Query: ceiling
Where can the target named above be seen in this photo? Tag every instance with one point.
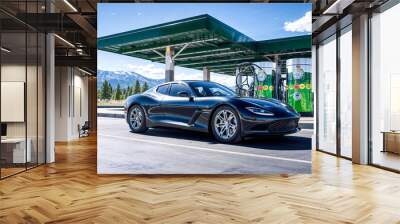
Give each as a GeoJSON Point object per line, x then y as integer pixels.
{"type": "Point", "coordinates": [332, 15]}
{"type": "Point", "coordinates": [73, 21]}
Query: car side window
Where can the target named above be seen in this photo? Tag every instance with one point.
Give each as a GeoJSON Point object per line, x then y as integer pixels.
{"type": "Point", "coordinates": [163, 89]}
{"type": "Point", "coordinates": [178, 88]}
{"type": "Point", "coordinates": [200, 91]}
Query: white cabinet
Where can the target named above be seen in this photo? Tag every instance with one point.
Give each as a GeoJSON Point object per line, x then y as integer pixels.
{"type": "Point", "coordinates": [19, 155]}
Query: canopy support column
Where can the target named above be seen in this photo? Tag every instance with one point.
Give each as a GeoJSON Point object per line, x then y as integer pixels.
{"type": "Point", "coordinates": [277, 76]}
{"type": "Point", "coordinates": [169, 64]}
{"type": "Point", "coordinates": [238, 81]}
{"type": "Point", "coordinates": [206, 74]}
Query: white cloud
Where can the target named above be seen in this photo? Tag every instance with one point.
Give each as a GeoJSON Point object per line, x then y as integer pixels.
{"type": "Point", "coordinates": [227, 80]}
{"type": "Point", "coordinates": [188, 76]}
{"type": "Point", "coordinates": [148, 70]}
{"type": "Point", "coordinates": [302, 24]}
{"type": "Point", "coordinates": [158, 72]}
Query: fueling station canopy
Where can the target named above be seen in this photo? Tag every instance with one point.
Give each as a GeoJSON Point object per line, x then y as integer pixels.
{"type": "Point", "coordinates": [202, 42]}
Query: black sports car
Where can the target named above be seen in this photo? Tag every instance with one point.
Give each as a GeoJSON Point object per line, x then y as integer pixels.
{"type": "Point", "coordinates": [209, 107]}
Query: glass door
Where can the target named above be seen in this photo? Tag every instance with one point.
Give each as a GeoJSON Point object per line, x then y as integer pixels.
{"type": "Point", "coordinates": [327, 95]}
{"type": "Point", "coordinates": [385, 89]}
{"type": "Point", "coordinates": [22, 98]}
{"type": "Point", "coordinates": [346, 92]}
{"type": "Point", "coordinates": [14, 155]}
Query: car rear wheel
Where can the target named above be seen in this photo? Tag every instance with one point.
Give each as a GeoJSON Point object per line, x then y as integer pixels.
{"type": "Point", "coordinates": [226, 125]}
{"type": "Point", "coordinates": [137, 119]}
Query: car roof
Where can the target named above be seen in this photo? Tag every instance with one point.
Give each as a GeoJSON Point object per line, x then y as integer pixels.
{"type": "Point", "coordinates": [184, 81]}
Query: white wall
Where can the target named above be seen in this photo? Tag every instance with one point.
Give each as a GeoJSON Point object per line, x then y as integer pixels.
{"type": "Point", "coordinates": [62, 82]}
{"type": "Point", "coordinates": [13, 73]}
{"type": "Point", "coordinates": [80, 109]}
{"type": "Point", "coordinates": [71, 102]}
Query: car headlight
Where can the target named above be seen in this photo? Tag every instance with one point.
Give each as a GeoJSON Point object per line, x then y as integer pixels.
{"type": "Point", "coordinates": [260, 111]}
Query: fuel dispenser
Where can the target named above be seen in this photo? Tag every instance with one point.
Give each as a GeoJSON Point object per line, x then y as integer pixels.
{"type": "Point", "coordinates": [299, 89]}
{"type": "Point", "coordinates": [259, 80]}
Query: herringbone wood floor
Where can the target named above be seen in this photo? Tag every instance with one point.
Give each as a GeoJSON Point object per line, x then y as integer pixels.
{"type": "Point", "coordinates": [70, 191]}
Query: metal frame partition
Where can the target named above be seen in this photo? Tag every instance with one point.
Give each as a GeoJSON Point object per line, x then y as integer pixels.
{"type": "Point", "coordinates": [318, 89]}
{"type": "Point", "coordinates": [335, 29]}
{"type": "Point", "coordinates": [36, 63]}
{"type": "Point", "coordinates": [0, 93]}
{"type": "Point", "coordinates": [382, 8]}
{"type": "Point", "coordinates": [369, 92]}
{"type": "Point", "coordinates": [338, 73]}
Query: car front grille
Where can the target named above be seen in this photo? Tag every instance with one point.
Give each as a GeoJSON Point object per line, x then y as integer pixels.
{"type": "Point", "coordinates": [283, 125]}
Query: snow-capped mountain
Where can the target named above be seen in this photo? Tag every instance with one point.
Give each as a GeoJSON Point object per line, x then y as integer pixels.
{"type": "Point", "coordinates": [124, 79]}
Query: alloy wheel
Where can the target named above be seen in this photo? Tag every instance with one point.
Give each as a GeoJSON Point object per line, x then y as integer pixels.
{"type": "Point", "coordinates": [225, 124]}
{"type": "Point", "coordinates": [136, 118]}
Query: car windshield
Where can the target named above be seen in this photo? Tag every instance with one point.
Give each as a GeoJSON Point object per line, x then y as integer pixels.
{"type": "Point", "coordinates": [205, 89]}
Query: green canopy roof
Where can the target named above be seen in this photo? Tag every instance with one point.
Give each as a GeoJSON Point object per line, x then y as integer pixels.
{"type": "Point", "coordinates": [202, 41]}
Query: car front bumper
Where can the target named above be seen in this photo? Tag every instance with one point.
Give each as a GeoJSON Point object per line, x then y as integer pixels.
{"type": "Point", "coordinates": [275, 126]}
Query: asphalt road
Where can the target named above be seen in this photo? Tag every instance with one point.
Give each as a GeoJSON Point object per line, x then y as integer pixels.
{"type": "Point", "coordinates": [170, 151]}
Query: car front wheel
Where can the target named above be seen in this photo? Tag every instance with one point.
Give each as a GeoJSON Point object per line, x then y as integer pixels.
{"type": "Point", "coordinates": [226, 125]}
{"type": "Point", "coordinates": [137, 119]}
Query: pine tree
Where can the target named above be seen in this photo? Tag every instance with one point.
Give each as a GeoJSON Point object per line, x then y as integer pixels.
{"type": "Point", "coordinates": [118, 93]}
{"type": "Point", "coordinates": [145, 87]}
{"type": "Point", "coordinates": [123, 95]}
{"type": "Point", "coordinates": [125, 92]}
{"type": "Point", "coordinates": [106, 90]}
{"type": "Point", "coordinates": [129, 92]}
{"type": "Point", "coordinates": [103, 88]}
{"type": "Point", "coordinates": [137, 87]}
{"type": "Point", "coordinates": [99, 94]}
{"type": "Point", "coordinates": [110, 89]}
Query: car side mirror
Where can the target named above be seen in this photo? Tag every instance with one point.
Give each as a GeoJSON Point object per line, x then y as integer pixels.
{"type": "Point", "coordinates": [183, 94]}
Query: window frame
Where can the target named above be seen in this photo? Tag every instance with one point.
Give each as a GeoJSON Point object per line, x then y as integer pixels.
{"type": "Point", "coordinates": [168, 88]}
{"type": "Point", "coordinates": [190, 92]}
{"type": "Point", "coordinates": [337, 35]}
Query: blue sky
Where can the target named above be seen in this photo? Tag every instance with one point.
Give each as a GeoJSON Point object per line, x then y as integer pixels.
{"type": "Point", "coordinates": [259, 21]}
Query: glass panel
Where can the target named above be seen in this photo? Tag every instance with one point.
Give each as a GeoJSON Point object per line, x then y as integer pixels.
{"type": "Point", "coordinates": [22, 88]}
{"type": "Point", "coordinates": [327, 95]}
{"type": "Point", "coordinates": [346, 92]}
{"type": "Point", "coordinates": [385, 85]}
{"type": "Point", "coordinates": [13, 87]}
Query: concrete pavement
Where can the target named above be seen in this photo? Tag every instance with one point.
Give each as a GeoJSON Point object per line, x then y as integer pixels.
{"type": "Point", "coordinates": [171, 151]}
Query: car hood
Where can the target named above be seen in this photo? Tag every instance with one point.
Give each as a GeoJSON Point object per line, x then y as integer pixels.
{"type": "Point", "coordinates": [272, 105]}
{"type": "Point", "coordinates": [266, 103]}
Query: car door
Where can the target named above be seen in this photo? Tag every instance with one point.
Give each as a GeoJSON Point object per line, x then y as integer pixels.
{"type": "Point", "coordinates": [179, 105]}
{"type": "Point", "coordinates": [154, 110]}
